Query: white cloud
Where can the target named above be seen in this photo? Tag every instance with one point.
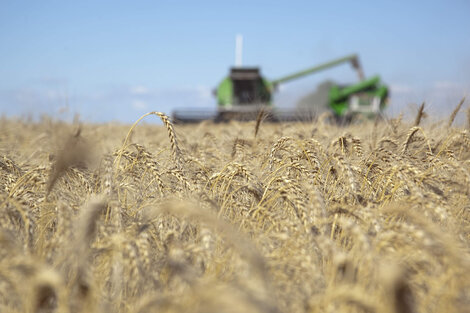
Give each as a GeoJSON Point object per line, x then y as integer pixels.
{"type": "Point", "coordinates": [139, 90]}
{"type": "Point", "coordinates": [139, 104]}
{"type": "Point", "coordinates": [204, 92]}
{"type": "Point", "coordinates": [121, 102]}
{"type": "Point", "coordinates": [400, 88]}
{"type": "Point", "coordinates": [448, 85]}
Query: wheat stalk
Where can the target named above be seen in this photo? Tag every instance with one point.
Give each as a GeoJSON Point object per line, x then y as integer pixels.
{"type": "Point", "coordinates": [259, 118]}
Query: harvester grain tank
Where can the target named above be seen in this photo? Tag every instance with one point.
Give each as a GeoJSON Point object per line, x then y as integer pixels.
{"type": "Point", "coordinates": [244, 92]}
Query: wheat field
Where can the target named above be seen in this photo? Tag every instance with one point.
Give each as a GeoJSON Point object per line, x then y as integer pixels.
{"type": "Point", "coordinates": [236, 217]}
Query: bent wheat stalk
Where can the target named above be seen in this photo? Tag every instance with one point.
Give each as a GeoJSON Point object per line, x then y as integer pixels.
{"type": "Point", "coordinates": [177, 155]}
{"type": "Point", "coordinates": [409, 137]}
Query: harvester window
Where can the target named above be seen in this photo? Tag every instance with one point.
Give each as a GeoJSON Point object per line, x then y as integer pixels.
{"type": "Point", "coordinates": [244, 91]}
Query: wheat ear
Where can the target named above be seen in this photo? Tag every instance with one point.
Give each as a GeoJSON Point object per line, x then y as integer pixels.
{"type": "Point", "coordinates": [420, 114]}
{"type": "Point", "coordinates": [454, 113]}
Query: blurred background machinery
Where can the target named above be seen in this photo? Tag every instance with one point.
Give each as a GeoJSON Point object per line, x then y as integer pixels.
{"type": "Point", "coordinates": [245, 91]}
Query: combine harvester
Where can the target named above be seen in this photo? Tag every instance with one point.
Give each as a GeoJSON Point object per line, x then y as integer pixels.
{"type": "Point", "coordinates": [242, 94]}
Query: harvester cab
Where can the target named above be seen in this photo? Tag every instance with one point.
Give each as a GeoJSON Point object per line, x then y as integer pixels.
{"type": "Point", "coordinates": [248, 86]}
{"type": "Point", "coordinates": [242, 94]}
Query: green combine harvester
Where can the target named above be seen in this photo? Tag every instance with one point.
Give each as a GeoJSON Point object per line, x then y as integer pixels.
{"type": "Point", "coordinates": [242, 94]}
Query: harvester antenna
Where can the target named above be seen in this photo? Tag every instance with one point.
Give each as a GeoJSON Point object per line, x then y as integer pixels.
{"type": "Point", "coordinates": [238, 50]}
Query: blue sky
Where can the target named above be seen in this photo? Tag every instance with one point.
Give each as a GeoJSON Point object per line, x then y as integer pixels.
{"type": "Point", "coordinates": [115, 60]}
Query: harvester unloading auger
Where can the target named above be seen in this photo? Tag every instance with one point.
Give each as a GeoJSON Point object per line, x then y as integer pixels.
{"type": "Point", "coordinates": [242, 94]}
